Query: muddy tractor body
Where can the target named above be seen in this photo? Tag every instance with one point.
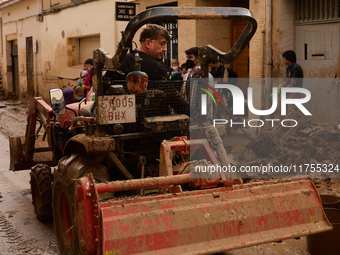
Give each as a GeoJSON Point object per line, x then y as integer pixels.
{"type": "Point", "coordinates": [122, 184]}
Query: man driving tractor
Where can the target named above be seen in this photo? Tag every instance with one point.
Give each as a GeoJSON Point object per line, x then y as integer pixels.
{"type": "Point", "coordinates": [153, 45]}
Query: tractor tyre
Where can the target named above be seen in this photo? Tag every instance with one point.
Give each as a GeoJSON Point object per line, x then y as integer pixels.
{"type": "Point", "coordinates": [70, 168]}
{"type": "Point", "coordinates": [41, 189]}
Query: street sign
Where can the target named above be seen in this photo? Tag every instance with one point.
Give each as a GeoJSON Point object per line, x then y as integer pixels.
{"type": "Point", "coordinates": [125, 11]}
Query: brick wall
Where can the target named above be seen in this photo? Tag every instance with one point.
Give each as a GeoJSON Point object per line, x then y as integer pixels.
{"type": "Point", "coordinates": [282, 35]}
{"type": "Point", "coordinates": [286, 32]}
{"type": "Point", "coordinates": [187, 32]}
{"type": "Point", "coordinates": [258, 8]}
{"type": "Point", "coordinates": [213, 32]}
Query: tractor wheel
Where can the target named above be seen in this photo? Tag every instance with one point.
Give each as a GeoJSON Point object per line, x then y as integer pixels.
{"type": "Point", "coordinates": [70, 168]}
{"type": "Point", "coordinates": [41, 188]}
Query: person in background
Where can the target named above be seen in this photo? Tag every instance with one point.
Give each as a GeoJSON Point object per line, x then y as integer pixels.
{"type": "Point", "coordinates": [184, 70]}
{"type": "Point", "coordinates": [82, 75]}
{"type": "Point", "coordinates": [174, 66]}
{"type": "Point", "coordinates": [216, 70]}
{"type": "Point", "coordinates": [193, 63]}
{"type": "Point", "coordinates": [178, 76]}
{"type": "Point", "coordinates": [88, 82]}
{"type": "Point", "coordinates": [73, 95]}
{"type": "Point", "coordinates": [294, 73]}
{"type": "Point", "coordinates": [194, 70]}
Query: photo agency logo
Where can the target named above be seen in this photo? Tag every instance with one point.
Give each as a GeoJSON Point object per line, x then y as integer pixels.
{"type": "Point", "coordinates": [289, 96]}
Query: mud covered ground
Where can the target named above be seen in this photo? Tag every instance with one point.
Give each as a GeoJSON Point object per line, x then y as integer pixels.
{"type": "Point", "coordinates": [22, 233]}
{"type": "Point", "coordinates": [20, 230]}
{"type": "Point", "coordinates": [13, 117]}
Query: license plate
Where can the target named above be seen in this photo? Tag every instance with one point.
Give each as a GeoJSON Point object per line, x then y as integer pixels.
{"type": "Point", "coordinates": [116, 109]}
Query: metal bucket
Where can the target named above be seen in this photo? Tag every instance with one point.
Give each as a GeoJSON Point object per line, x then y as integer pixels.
{"type": "Point", "coordinates": [328, 242]}
{"type": "Point", "coordinates": [329, 201]}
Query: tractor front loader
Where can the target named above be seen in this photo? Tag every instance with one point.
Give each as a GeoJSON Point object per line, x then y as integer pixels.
{"type": "Point", "coordinates": [41, 147]}
{"type": "Point", "coordinates": [123, 183]}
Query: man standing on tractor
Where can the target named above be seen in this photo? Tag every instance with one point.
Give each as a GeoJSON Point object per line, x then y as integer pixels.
{"type": "Point", "coordinates": [153, 41]}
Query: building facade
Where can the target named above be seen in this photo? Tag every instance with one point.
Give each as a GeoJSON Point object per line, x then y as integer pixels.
{"type": "Point", "coordinates": [40, 38]}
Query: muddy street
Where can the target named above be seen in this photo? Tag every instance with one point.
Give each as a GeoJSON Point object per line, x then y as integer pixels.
{"type": "Point", "coordinates": [20, 230]}
{"type": "Point", "coordinates": [22, 233]}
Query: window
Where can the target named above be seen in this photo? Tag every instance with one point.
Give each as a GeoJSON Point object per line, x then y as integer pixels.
{"type": "Point", "coordinates": [316, 10]}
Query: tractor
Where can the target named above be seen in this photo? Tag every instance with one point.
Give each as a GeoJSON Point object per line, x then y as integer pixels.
{"type": "Point", "coordinates": [121, 180]}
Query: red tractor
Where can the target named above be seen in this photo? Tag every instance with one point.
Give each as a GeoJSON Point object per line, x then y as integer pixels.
{"type": "Point", "coordinates": [122, 184]}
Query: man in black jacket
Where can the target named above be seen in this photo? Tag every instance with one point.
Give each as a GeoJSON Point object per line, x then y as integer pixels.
{"type": "Point", "coordinates": [153, 45]}
{"type": "Point", "coordinates": [154, 40]}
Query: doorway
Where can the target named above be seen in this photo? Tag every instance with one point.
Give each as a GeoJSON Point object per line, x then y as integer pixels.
{"type": "Point", "coordinates": [29, 66]}
{"type": "Point", "coordinates": [15, 68]}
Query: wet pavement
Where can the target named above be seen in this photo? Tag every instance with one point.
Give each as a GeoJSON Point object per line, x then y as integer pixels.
{"type": "Point", "coordinates": [20, 230]}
